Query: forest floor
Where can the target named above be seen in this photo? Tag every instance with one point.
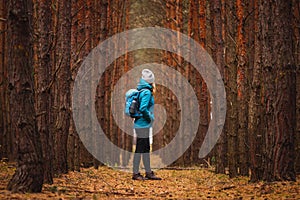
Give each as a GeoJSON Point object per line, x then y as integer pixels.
{"type": "Point", "coordinates": [106, 183]}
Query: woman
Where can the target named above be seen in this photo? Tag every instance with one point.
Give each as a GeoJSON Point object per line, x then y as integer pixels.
{"type": "Point", "coordinates": [142, 126]}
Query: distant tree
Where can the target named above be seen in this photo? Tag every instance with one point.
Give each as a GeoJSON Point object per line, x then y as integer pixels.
{"type": "Point", "coordinates": [28, 176]}
{"type": "Point", "coordinates": [197, 31]}
{"type": "Point", "coordinates": [101, 32]}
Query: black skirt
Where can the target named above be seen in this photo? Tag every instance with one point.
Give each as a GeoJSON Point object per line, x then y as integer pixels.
{"type": "Point", "coordinates": [142, 140]}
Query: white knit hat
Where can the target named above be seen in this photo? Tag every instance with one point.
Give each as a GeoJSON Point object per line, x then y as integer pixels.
{"type": "Point", "coordinates": [148, 76]}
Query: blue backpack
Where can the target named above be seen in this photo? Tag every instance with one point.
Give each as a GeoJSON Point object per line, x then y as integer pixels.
{"type": "Point", "coordinates": [132, 103]}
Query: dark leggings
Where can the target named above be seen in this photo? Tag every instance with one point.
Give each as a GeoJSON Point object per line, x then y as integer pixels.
{"type": "Point", "coordinates": [142, 150]}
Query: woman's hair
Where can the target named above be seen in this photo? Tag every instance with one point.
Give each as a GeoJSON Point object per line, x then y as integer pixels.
{"type": "Point", "coordinates": [153, 88]}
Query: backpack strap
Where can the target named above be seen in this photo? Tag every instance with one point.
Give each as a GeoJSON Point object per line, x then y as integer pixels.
{"type": "Point", "coordinates": [142, 91]}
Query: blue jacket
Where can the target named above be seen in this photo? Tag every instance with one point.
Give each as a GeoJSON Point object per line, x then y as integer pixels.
{"type": "Point", "coordinates": [146, 105]}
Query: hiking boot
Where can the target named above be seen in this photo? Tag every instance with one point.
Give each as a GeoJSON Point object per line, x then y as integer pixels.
{"type": "Point", "coordinates": [138, 176]}
{"type": "Point", "coordinates": [151, 176]}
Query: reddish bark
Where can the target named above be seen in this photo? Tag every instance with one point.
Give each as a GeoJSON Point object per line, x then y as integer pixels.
{"type": "Point", "coordinates": [3, 83]}
{"type": "Point", "coordinates": [255, 116]}
{"type": "Point", "coordinates": [28, 176]}
{"type": "Point", "coordinates": [218, 57]}
{"type": "Point", "coordinates": [231, 124]}
{"type": "Point", "coordinates": [296, 22]}
{"type": "Point", "coordinates": [279, 90]}
{"type": "Point", "coordinates": [62, 82]}
{"type": "Point", "coordinates": [242, 87]}
{"type": "Point", "coordinates": [43, 69]}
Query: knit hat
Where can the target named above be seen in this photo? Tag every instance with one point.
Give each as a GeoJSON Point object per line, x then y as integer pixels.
{"type": "Point", "coordinates": [148, 76]}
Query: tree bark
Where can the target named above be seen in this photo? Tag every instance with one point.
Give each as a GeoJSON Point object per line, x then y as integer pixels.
{"type": "Point", "coordinates": [218, 57]}
{"type": "Point", "coordinates": [296, 22]}
{"type": "Point", "coordinates": [279, 90]}
{"type": "Point", "coordinates": [100, 99]}
{"type": "Point", "coordinates": [2, 81]}
{"type": "Point", "coordinates": [242, 88]}
{"type": "Point", "coordinates": [126, 139]}
{"type": "Point", "coordinates": [204, 94]}
{"type": "Point", "coordinates": [29, 173]}
{"type": "Point", "coordinates": [62, 94]}
{"type": "Point", "coordinates": [8, 148]}
{"type": "Point", "coordinates": [42, 71]}
{"type": "Point", "coordinates": [231, 125]}
{"type": "Point", "coordinates": [73, 136]}
{"type": "Point", "coordinates": [255, 108]}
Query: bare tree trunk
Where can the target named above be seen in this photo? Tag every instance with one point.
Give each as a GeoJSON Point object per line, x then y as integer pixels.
{"type": "Point", "coordinates": [279, 90]}
{"type": "Point", "coordinates": [203, 90]}
{"type": "Point", "coordinates": [197, 31]}
{"type": "Point", "coordinates": [43, 70]}
{"type": "Point", "coordinates": [84, 45]}
{"type": "Point", "coordinates": [63, 79]}
{"type": "Point", "coordinates": [73, 138]}
{"type": "Point", "coordinates": [250, 37]}
{"type": "Point", "coordinates": [296, 12]}
{"type": "Point", "coordinates": [127, 139]}
{"type": "Point", "coordinates": [255, 110]}
{"type": "Point", "coordinates": [218, 56]}
{"type": "Point", "coordinates": [194, 32]}
{"type": "Point", "coordinates": [242, 86]}
{"type": "Point", "coordinates": [3, 113]}
{"type": "Point", "coordinates": [8, 147]}
{"type": "Point", "coordinates": [174, 21]}
{"type": "Point", "coordinates": [100, 101]}
{"type": "Point", "coordinates": [29, 174]}
{"type": "Point", "coordinates": [231, 92]}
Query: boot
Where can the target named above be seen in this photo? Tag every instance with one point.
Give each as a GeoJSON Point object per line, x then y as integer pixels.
{"type": "Point", "coordinates": [138, 176]}
{"type": "Point", "coordinates": [151, 176]}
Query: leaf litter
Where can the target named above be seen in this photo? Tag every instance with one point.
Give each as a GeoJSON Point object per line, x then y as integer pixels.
{"type": "Point", "coordinates": [195, 183]}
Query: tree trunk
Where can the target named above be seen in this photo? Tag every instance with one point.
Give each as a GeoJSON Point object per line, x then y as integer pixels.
{"type": "Point", "coordinates": [231, 90]}
{"type": "Point", "coordinates": [3, 112]}
{"type": "Point", "coordinates": [174, 22]}
{"type": "Point", "coordinates": [29, 173]}
{"type": "Point", "coordinates": [279, 90]}
{"type": "Point", "coordinates": [43, 85]}
{"type": "Point", "coordinates": [8, 148]}
{"type": "Point", "coordinates": [62, 93]}
{"type": "Point", "coordinates": [73, 136]}
{"type": "Point", "coordinates": [100, 99]}
{"type": "Point", "coordinates": [83, 48]}
{"type": "Point", "coordinates": [197, 31]}
{"type": "Point", "coordinates": [242, 87]}
{"type": "Point", "coordinates": [204, 94]}
{"type": "Point", "coordinates": [126, 139]}
{"type": "Point", "coordinates": [296, 20]}
{"type": "Point", "coordinates": [255, 110]}
{"type": "Point", "coordinates": [218, 57]}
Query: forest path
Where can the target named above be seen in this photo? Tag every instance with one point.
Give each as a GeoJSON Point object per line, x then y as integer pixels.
{"type": "Point", "coordinates": [106, 183]}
